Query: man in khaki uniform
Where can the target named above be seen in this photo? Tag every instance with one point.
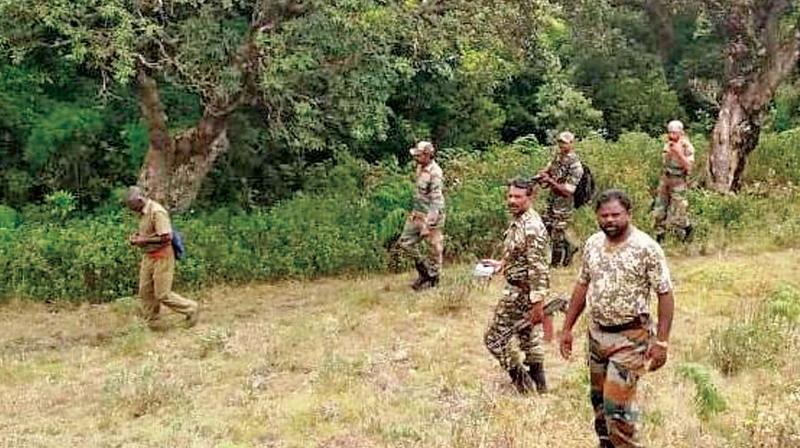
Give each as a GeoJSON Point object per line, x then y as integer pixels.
{"type": "Point", "coordinates": [426, 219]}
{"type": "Point", "coordinates": [622, 266]}
{"type": "Point", "coordinates": [157, 268]}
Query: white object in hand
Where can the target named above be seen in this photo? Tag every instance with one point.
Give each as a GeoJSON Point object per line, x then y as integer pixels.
{"type": "Point", "coordinates": [483, 270]}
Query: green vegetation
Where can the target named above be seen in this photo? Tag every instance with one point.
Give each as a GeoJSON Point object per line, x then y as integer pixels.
{"type": "Point", "coordinates": [348, 219]}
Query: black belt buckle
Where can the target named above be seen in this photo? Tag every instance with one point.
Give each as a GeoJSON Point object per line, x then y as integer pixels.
{"type": "Point", "coordinates": [638, 322]}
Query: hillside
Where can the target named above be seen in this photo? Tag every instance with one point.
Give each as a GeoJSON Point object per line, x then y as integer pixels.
{"type": "Point", "coordinates": [362, 362]}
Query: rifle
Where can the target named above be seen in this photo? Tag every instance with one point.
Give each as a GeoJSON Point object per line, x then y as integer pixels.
{"type": "Point", "coordinates": [553, 305]}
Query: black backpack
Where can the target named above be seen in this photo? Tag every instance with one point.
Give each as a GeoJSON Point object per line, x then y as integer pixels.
{"type": "Point", "coordinates": [584, 192]}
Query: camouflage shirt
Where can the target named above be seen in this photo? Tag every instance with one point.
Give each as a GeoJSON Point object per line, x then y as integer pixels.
{"type": "Point", "coordinates": [671, 166]}
{"type": "Point", "coordinates": [527, 255]}
{"type": "Point", "coordinates": [429, 196]}
{"type": "Point", "coordinates": [620, 277]}
{"type": "Point", "coordinates": [566, 169]}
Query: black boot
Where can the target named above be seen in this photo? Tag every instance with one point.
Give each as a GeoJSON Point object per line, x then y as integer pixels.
{"type": "Point", "coordinates": [422, 276]}
{"type": "Point", "coordinates": [521, 380]}
{"type": "Point", "coordinates": [557, 255]}
{"type": "Point", "coordinates": [687, 233]}
{"type": "Point", "coordinates": [536, 371]}
{"type": "Point", "coordinates": [569, 251]}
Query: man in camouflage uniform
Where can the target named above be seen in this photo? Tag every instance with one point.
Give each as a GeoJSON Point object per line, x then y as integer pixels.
{"type": "Point", "coordinates": [426, 219]}
{"type": "Point", "coordinates": [157, 269]}
{"type": "Point", "coordinates": [621, 266]}
{"type": "Point", "coordinates": [671, 208]}
{"type": "Point", "coordinates": [561, 176]}
{"type": "Point", "coordinates": [520, 311]}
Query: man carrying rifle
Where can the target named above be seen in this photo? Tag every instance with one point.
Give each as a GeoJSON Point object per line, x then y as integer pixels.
{"type": "Point", "coordinates": [525, 264]}
{"type": "Point", "coordinates": [561, 176]}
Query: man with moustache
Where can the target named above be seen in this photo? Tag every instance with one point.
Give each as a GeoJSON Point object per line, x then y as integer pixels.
{"type": "Point", "coordinates": [671, 207]}
{"type": "Point", "coordinates": [621, 266]}
{"type": "Point", "coordinates": [525, 264]}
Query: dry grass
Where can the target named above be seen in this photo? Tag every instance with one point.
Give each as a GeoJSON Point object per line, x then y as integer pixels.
{"type": "Point", "coordinates": [363, 362]}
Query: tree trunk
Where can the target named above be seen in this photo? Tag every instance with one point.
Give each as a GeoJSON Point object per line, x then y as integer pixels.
{"type": "Point", "coordinates": [734, 137]}
{"type": "Point", "coordinates": [175, 167]}
{"type": "Point", "coordinates": [743, 106]}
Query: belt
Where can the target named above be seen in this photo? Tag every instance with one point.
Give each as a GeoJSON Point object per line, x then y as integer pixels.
{"type": "Point", "coordinates": [639, 322]}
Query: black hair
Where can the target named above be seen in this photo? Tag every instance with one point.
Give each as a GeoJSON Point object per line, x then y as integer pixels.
{"type": "Point", "coordinates": [523, 183]}
{"type": "Point", "coordinates": [613, 195]}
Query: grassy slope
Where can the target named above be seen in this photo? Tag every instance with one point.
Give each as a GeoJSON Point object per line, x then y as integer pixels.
{"type": "Point", "coordinates": [359, 363]}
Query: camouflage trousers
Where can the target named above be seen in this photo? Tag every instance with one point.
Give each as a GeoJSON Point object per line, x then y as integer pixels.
{"type": "Point", "coordinates": [616, 362]}
{"type": "Point", "coordinates": [155, 287]}
{"type": "Point", "coordinates": [511, 318]}
{"type": "Point", "coordinates": [556, 219]}
{"type": "Point", "coordinates": [671, 207]}
{"type": "Point", "coordinates": [414, 232]}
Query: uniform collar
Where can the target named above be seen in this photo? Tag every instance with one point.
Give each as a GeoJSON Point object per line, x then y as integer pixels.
{"type": "Point", "coordinates": [148, 207]}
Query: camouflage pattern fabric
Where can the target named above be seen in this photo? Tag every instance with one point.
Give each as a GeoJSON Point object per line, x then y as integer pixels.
{"type": "Point", "coordinates": [414, 232]}
{"type": "Point", "coordinates": [526, 268]}
{"type": "Point", "coordinates": [671, 208]}
{"type": "Point", "coordinates": [429, 197]}
{"type": "Point", "coordinates": [616, 362]}
{"type": "Point", "coordinates": [511, 318]}
{"type": "Point", "coordinates": [620, 277]}
{"type": "Point", "coordinates": [428, 203]}
{"type": "Point", "coordinates": [565, 169]}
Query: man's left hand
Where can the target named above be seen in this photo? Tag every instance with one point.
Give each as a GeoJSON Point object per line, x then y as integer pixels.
{"type": "Point", "coordinates": [537, 313]}
{"type": "Point", "coordinates": [657, 355]}
{"type": "Point", "coordinates": [432, 219]}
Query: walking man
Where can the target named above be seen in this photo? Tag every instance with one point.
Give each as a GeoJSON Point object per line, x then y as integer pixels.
{"type": "Point", "coordinates": [561, 176]}
{"type": "Point", "coordinates": [520, 311]}
{"type": "Point", "coordinates": [671, 207]}
{"type": "Point", "coordinates": [157, 269]}
{"type": "Point", "coordinates": [426, 220]}
{"type": "Point", "coordinates": [621, 266]}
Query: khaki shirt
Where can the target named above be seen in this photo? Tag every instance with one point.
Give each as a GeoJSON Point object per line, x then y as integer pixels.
{"type": "Point", "coordinates": [671, 166]}
{"type": "Point", "coordinates": [154, 222]}
{"type": "Point", "coordinates": [621, 277]}
{"type": "Point", "coordinates": [429, 196]}
{"type": "Point", "coordinates": [526, 255]}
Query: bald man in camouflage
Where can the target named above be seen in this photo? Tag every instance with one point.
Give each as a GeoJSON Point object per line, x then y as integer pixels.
{"type": "Point", "coordinates": [671, 207]}
{"type": "Point", "coordinates": [426, 220]}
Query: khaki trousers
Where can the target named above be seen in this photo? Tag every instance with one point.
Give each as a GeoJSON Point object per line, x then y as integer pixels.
{"type": "Point", "coordinates": [155, 286]}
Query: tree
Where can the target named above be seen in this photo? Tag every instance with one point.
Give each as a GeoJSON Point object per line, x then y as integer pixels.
{"type": "Point", "coordinates": [322, 74]}
{"type": "Point", "coordinates": [728, 57]}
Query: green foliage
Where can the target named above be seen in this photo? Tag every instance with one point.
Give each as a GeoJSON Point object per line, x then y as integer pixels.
{"type": "Point", "coordinates": [61, 204]}
{"type": "Point", "coordinates": [707, 399]}
{"type": "Point", "coordinates": [348, 219]}
{"type": "Point", "coordinates": [9, 218]}
{"type": "Point", "coordinates": [757, 338]}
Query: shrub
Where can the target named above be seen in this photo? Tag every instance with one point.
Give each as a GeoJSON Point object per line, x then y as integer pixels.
{"type": "Point", "coordinates": [707, 399]}
{"type": "Point", "coordinates": [349, 222]}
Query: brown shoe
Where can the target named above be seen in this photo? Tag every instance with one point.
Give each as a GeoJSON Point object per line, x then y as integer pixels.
{"type": "Point", "coordinates": [191, 319]}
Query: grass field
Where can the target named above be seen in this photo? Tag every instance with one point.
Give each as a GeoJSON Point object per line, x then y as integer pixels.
{"type": "Point", "coordinates": [362, 362]}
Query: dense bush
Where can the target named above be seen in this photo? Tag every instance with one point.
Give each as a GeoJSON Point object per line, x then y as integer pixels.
{"type": "Point", "coordinates": [348, 220]}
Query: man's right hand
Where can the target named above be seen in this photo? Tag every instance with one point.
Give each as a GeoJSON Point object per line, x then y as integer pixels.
{"type": "Point", "coordinates": [566, 344]}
